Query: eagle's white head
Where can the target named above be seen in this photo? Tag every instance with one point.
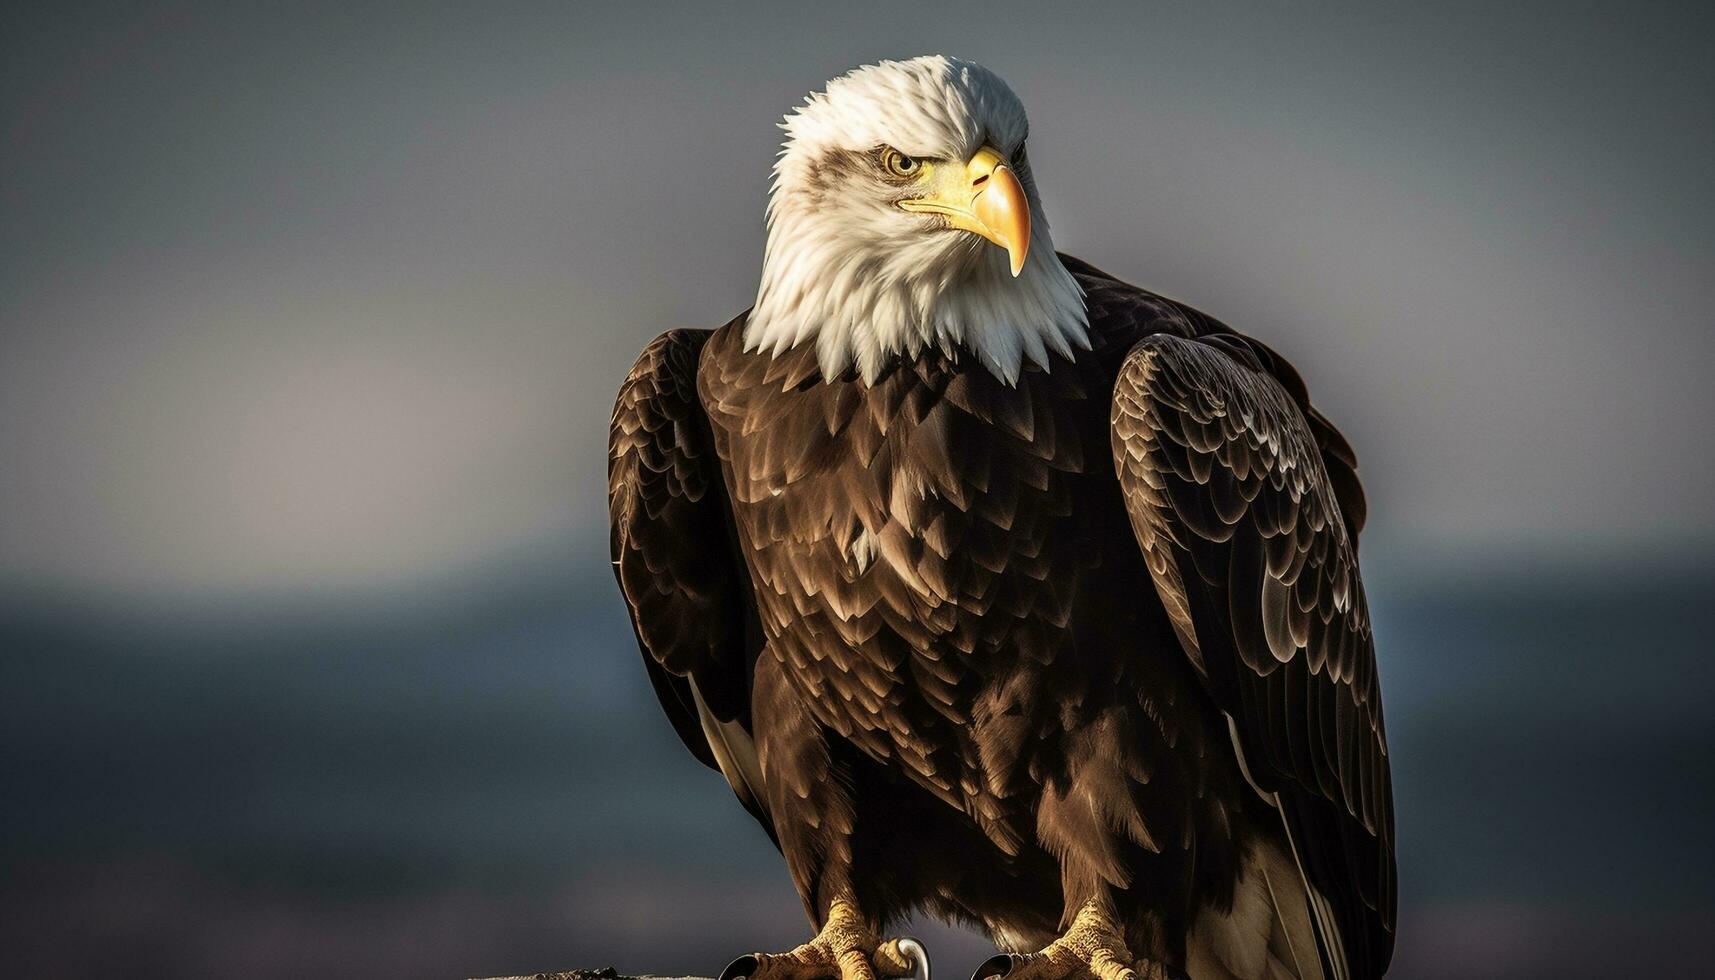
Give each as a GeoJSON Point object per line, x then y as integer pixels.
{"type": "Point", "coordinates": [903, 216]}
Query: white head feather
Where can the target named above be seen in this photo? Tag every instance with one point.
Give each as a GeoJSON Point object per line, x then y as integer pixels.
{"type": "Point", "coordinates": [866, 281]}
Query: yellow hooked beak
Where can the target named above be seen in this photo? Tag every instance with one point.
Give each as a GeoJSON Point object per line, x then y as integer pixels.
{"type": "Point", "coordinates": [987, 199]}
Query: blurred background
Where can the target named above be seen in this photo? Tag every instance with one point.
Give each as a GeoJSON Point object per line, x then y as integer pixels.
{"type": "Point", "coordinates": [310, 660]}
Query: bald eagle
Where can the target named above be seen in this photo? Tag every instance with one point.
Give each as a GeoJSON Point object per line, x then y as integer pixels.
{"type": "Point", "coordinates": [1001, 589]}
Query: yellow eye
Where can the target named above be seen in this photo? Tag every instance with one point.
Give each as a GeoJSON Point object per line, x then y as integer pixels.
{"type": "Point", "coordinates": [898, 164]}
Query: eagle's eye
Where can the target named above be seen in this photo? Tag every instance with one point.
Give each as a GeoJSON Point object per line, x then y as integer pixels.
{"type": "Point", "coordinates": [898, 164]}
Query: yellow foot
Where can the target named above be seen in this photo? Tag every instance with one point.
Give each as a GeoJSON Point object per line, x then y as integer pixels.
{"type": "Point", "coordinates": [1092, 949]}
{"type": "Point", "coordinates": [846, 949]}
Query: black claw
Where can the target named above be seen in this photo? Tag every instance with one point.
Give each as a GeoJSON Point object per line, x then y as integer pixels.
{"type": "Point", "coordinates": [996, 966]}
{"type": "Point", "coordinates": [740, 968]}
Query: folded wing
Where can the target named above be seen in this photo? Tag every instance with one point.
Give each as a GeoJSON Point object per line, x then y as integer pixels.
{"type": "Point", "coordinates": [1245, 504]}
{"type": "Point", "coordinates": [675, 557]}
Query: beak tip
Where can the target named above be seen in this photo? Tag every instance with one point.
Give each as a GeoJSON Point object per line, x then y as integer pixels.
{"type": "Point", "coordinates": [999, 208]}
{"type": "Point", "coordinates": [1016, 254]}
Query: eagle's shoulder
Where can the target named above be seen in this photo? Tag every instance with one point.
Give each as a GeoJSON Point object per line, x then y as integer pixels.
{"type": "Point", "coordinates": [1122, 313]}
{"type": "Point", "coordinates": [730, 368]}
{"type": "Point", "coordinates": [724, 353]}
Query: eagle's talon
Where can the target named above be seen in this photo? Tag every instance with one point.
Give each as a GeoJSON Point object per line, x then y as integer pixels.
{"type": "Point", "coordinates": [1061, 962]}
{"type": "Point", "coordinates": [1092, 948]}
{"type": "Point", "coordinates": [996, 966]}
{"type": "Point", "coordinates": [740, 968]}
{"type": "Point", "coordinates": [846, 948]}
{"type": "Point", "coordinates": [902, 957]}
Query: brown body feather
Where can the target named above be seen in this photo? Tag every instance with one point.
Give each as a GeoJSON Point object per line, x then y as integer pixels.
{"type": "Point", "coordinates": [929, 602]}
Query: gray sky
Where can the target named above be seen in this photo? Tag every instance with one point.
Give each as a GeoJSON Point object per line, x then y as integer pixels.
{"type": "Point", "coordinates": [331, 298]}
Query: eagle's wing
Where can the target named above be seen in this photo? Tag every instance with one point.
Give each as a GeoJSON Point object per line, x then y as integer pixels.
{"type": "Point", "coordinates": [1246, 507]}
{"type": "Point", "coordinates": [677, 564]}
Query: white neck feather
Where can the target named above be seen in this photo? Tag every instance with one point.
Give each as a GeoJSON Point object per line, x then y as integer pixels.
{"type": "Point", "coordinates": [819, 286]}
